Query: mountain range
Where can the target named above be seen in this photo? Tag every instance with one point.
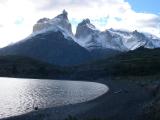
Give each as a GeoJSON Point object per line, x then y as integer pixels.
{"type": "Point", "coordinates": [53, 41]}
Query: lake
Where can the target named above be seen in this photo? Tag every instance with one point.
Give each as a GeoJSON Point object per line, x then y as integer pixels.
{"type": "Point", "coordinates": [19, 96]}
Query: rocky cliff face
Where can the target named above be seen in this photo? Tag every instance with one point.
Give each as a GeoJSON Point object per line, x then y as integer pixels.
{"type": "Point", "coordinates": [91, 38]}
{"type": "Point", "coordinates": [60, 22]}
{"type": "Point", "coordinates": [51, 41]}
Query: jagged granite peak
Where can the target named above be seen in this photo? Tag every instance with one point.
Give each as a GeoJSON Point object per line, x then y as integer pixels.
{"type": "Point", "coordinates": [64, 15]}
{"type": "Point", "coordinates": [91, 38]}
{"type": "Point", "coordinates": [52, 42]}
{"type": "Point", "coordinates": [84, 29]}
{"type": "Point", "coordinates": [86, 33]}
{"type": "Point", "coordinates": [135, 39]}
{"type": "Point", "coordinates": [121, 40]}
{"type": "Point", "coordinates": [85, 21]}
{"type": "Point", "coordinates": [51, 47]}
{"type": "Point", "coordinates": [42, 20]}
{"type": "Point", "coordinates": [59, 23]}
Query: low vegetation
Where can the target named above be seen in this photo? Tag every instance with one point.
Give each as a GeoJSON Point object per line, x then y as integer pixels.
{"type": "Point", "coordinates": [141, 66]}
{"type": "Point", "coordinates": [139, 63]}
{"type": "Point", "coordinates": [16, 66]}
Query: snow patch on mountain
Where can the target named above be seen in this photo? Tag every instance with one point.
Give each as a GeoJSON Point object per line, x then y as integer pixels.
{"type": "Point", "coordinates": [89, 37]}
{"type": "Point", "coordinates": [59, 23]}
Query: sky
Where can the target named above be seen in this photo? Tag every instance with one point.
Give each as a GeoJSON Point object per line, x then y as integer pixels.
{"type": "Point", "coordinates": [17, 17]}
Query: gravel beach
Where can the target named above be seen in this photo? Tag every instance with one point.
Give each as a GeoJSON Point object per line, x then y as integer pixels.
{"type": "Point", "coordinates": [124, 101]}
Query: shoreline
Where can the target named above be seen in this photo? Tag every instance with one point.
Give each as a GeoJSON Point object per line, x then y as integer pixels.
{"type": "Point", "coordinates": [124, 100]}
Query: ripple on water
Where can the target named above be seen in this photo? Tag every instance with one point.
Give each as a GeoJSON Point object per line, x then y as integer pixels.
{"type": "Point", "coordinates": [18, 96]}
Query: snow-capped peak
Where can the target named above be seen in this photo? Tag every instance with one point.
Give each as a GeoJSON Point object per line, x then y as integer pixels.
{"type": "Point", "coordinates": [91, 38]}
{"type": "Point", "coordinates": [87, 23]}
{"type": "Point", "coordinates": [59, 23]}
{"type": "Point", "coordinates": [85, 28]}
{"type": "Point", "coordinates": [85, 34]}
{"type": "Point", "coordinates": [64, 15]}
{"type": "Point", "coordinates": [43, 20]}
{"type": "Point", "coordinates": [121, 40]}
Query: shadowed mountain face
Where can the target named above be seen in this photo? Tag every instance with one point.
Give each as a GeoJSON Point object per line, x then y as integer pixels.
{"type": "Point", "coordinates": [91, 38]}
{"type": "Point", "coordinates": [52, 41]}
{"type": "Point", "coordinates": [140, 62]}
{"type": "Point", "coordinates": [25, 67]}
{"type": "Point", "coordinates": [51, 47]}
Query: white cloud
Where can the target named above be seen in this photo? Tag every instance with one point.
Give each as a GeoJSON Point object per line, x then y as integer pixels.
{"type": "Point", "coordinates": [103, 13]}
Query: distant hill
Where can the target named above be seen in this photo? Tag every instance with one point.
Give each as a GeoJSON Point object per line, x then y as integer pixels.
{"type": "Point", "coordinates": [140, 62]}
{"type": "Point", "coordinates": [16, 66]}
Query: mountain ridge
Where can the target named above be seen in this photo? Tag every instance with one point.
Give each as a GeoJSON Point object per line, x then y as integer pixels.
{"type": "Point", "coordinates": [51, 47]}
{"type": "Point", "coordinates": [89, 37]}
{"type": "Point", "coordinates": [53, 41]}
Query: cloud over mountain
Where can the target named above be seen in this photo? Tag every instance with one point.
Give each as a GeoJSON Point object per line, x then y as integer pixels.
{"type": "Point", "coordinates": [104, 14]}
